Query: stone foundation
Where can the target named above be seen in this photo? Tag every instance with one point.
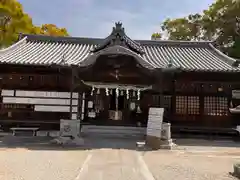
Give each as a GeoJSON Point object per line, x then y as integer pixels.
{"type": "Point", "coordinates": [153, 142]}
{"type": "Point", "coordinates": [158, 143]}
{"type": "Point", "coordinates": [163, 142]}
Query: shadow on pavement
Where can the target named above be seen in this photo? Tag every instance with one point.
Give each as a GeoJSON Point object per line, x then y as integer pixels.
{"type": "Point", "coordinates": [207, 143]}
{"type": "Point", "coordinates": [90, 142]}
{"type": "Point", "coordinates": [104, 142]}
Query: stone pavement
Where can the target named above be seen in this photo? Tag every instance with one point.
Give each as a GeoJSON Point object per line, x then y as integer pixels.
{"type": "Point", "coordinates": [110, 159]}
{"type": "Point", "coordinates": [114, 165]}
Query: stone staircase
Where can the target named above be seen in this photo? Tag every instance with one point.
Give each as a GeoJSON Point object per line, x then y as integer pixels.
{"type": "Point", "coordinates": [113, 131]}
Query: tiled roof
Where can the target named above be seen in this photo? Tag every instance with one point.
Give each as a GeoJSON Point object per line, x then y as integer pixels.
{"type": "Point", "coordinates": [45, 50]}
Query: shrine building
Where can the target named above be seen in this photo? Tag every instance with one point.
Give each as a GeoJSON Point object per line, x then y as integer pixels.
{"type": "Point", "coordinates": [113, 82]}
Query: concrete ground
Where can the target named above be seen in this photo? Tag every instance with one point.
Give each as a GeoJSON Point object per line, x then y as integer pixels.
{"type": "Point", "coordinates": [115, 159]}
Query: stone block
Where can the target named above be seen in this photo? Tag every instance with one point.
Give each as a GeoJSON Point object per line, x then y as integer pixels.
{"type": "Point", "coordinates": [42, 133]}
{"type": "Point", "coordinates": [166, 131]}
{"type": "Point", "coordinates": [69, 127]}
{"type": "Point", "coordinates": [167, 144]}
{"type": "Point", "coordinates": [153, 142]}
{"type": "Point", "coordinates": [158, 143]}
{"type": "Point", "coordinates": [236, 170]}
{"type": "Point", "coordinates": [54, 133]}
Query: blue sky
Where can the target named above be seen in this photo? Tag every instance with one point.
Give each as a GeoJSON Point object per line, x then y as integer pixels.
{"type": "Point", "coordinates": [95, 18]}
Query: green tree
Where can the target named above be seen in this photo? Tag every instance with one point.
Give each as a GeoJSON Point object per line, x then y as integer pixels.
{"type": "Point", "coordinates": [187, 28]}
{"type": "Point", "coordinates": [52, 30]}
{"type": "Point", "coordinates": [4, 21]}
{"type": "Point", "coordinates": [4, 17]}
{"type": "Point", "coordinates": [219, 22]}
{"type": "Point", "coordinates": [222, 17]}
{"type": "Point", "coordinates": [20, 22]}
{"type": "Point", "coordinates": [13, 21]}
{"type": "Point", "coordinates": [156, 36]}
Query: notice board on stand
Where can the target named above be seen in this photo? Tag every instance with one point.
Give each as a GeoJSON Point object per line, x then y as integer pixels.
{"type": "Point", "coordinates": [155, 120]}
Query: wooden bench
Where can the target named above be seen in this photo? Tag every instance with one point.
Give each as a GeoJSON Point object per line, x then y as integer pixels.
{"type": "Point", "coordinates": [34, 130]}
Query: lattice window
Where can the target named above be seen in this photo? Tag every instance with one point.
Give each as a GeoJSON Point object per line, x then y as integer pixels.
{"type": "Point", "coordinates": [181, 104]}
{"type": "Point", "coordinates": [187, 105]}
{"type": "Point", "coordinates": [216, 106]}
{"type": "Point", "coordinates": [193, 105]}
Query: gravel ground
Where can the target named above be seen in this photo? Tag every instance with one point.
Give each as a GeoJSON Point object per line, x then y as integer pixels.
{"type": "Point", "coordinates": [112, 159]}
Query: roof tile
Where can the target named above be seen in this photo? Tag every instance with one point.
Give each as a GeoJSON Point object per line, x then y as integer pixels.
{"type": "Point", "coordinates": [45, 50]}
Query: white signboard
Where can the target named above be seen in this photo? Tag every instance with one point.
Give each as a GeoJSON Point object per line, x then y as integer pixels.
{"type": "Point", "coordinates": [7, 92]}
{"type": "Point", "coordinates": [23, 100]}
{"type": "Point", "coordinates": [155, 119]}
{"type": "Point", "coordinates": [52, 94]}
{"type": "Point", "coordinates": [54, 108]}
{"type": "Point", "coordinates": [69, 127]}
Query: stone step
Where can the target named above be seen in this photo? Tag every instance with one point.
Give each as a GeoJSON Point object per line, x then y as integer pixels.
{"type": "Point", "coordinates": [113, 132]}
{"type": "Point", "coordinates": [89, 129]}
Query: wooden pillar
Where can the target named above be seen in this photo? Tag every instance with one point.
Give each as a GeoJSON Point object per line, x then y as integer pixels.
{"type": "Point", "coordinates": [83, 106]}
{"type": "Point", "coordinates": [79, 105]}
{"type": "Point", "coordinates": [159, 87]}
{"type": "Point", "coordinates": [201, 100]}
{"type": "Point", "coordinates": [71, 92]}
{"type": "Point", "coordinates": [155, 141]}
{"type": "Point", "coordinates": [174, 76]}
{"type": "Point", "coordinates": [173, 92]}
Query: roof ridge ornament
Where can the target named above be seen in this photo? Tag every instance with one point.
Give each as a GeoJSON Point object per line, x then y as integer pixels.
{"type": "Point", "coordinates": [118, 27]}
{"type": "Point", "coordinates": [118, 37]}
